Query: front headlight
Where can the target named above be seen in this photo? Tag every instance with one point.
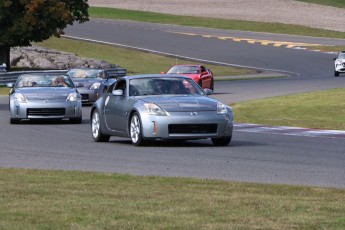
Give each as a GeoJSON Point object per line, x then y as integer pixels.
{"type": "Point", "coordinates": [95, 85]}
{"type": "Point", "coordinates": [221, 108]}
{"type": "Point", "coordinates": [72, 97]}
{"type": "Point", "coordinates": [154, 109]}
{"type": "Point", "coordinates": [338, 62]}
{"type": "Point", "coordinates": [20, 98]}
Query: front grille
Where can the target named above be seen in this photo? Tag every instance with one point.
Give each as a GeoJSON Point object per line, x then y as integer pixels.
{"type": "Point", "coordinates": [84, 96]}
{"type": "Point", "coordinates": [46, 112]}
{"type": "Point", "coordinates": [192, 128]}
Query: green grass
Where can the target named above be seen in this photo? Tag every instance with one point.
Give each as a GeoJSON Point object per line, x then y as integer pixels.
{"type": "Point", "coordinates": [134, 61]}
{"type": "Point", "coordinates": [4, 90]}
{"type": "Point", "coordinates": [335, 3]}
{"type": "Point", "coordinates": [320, 110]}
{"type": "Point", "coordinates": [99, 12]}
{"type": "Point", "coordinates": [40, 199]}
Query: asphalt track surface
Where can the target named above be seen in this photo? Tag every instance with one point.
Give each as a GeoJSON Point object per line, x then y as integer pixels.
{"type": "Point", "coordinates": [263, 157]}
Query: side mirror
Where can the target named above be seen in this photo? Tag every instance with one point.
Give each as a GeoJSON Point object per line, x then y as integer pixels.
{"type": "Point", "coordinates": [163, 73]}
{"type": "Point", "coordinates": [10, 85]}
{"type": "Point", "coordinates": [79, 85]}
{"type": "Point", "coordinates": [334, 59]}
{"type": "Point", "coordinates": [117, 92]}
{"type": "Point", "coordinates": [208, 91]}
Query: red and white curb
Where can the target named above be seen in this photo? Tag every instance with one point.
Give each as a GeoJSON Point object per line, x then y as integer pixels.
{"type": "Point", "coordinates": [286, 130]}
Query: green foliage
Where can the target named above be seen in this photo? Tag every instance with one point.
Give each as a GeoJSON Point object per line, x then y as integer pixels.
{"type": "Point", "coordinates": [335, 3]}
{"type": "Point", "coordinates": [320, 110]}
{"type": "Point", "coordinates": [24, 21]}
{"type": "Point", "coordinates": [42, 199]}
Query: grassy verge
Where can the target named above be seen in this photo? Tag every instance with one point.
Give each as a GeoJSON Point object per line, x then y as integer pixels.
{"type": "Point", "coordinates": [4, 90]}
{"type": "Point", "coordinates": [335, 3]}
{"type": "Point", "coordinates": [227, 24]}
{"type": "Point", "coordinates": [320, 110]}
{"type": "Point", "coordinates": [37, 199]}
{"type": "Point", "coordinates": [134, 61]}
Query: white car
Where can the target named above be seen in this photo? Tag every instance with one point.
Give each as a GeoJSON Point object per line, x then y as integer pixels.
{"type": "Point", "coordinates": [339, 64]}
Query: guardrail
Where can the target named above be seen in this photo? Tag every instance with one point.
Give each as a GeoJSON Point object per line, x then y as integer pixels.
{"type": "Point", "coordinates": [11, 77]}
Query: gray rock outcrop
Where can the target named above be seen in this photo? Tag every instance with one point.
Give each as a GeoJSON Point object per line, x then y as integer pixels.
{"type": "Point", "coordinates": [42, 58]}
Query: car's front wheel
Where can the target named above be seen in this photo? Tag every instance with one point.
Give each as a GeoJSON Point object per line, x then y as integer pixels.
{"type": "Point", "coordinates": [14, 121]}
{"type": "Point", "coordinates": [76, 120]}
{"type": "Point", "coordinates": [96, 130]}
{"type": "Point", "coordinates": [223, 141]}
{"type": "Point", "coordinates": [336, 73]}
{"type": "Point", "coordinates": [135, 131]}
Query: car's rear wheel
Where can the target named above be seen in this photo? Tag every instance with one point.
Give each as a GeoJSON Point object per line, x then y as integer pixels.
{"type": "Point", "coordinates": [96, 129]}
{"type": "Point", "coordinates": [336, 73]}
{"type": "Point", "coordinates": [135, 131]}
{"type": "Point", "coordinates": [223, 141]}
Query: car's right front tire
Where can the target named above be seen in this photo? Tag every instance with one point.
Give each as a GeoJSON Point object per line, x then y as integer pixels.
{"type": "Point", "coordinates": [336, 73]}
{"type": "Point", "coordinates": [96, 128]}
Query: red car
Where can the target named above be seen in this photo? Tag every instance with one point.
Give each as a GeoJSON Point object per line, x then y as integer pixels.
{"type": "Point", "coordinates": [200, 74]}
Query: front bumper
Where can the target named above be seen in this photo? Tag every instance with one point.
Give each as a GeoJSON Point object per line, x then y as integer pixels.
{"type": "Point", "coordinates": [183, 125]}
{"type": "Point", "coordinates": [340, 68]}
{"type": "Point", "coordinates": [88, 95]}
{"type": "Point", "coordinates": [46, 110]}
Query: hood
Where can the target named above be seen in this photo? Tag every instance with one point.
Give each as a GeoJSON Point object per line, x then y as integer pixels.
{"type": "Point", "coordinates": [183, 103]}
{"type": "Point", "coordinates": [86, 81]}
{"type": "Point", "coordinates": [46, 93]}
{"type": "Point", "coordinates": [193, 76]}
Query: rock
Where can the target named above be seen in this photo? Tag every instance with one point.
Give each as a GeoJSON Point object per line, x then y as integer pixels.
{"type": "Point", "coordinates": [42, 58]}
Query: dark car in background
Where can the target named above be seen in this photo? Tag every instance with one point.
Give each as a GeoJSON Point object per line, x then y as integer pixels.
{"type": "Point", "coordinates": [94, 81]}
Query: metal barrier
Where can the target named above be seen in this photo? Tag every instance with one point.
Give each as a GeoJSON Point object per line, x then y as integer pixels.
{"type": "Point", "coordinates": [11, 77]}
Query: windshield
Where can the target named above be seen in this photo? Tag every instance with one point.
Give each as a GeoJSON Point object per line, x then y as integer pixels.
{"type": "Point", "coordinates": [84, 73]}
{"type": "Point", "coordinates": [162, 86]}
{"type": "Point", "coordinates": [35, 80]}
{"type": "Point", "coordinates": [184, 70]}
{"type": "Point", "coordinates": [341, 56]}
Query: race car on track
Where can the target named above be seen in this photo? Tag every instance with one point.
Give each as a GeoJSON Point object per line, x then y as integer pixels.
{"type": "Point", "coordinates": [94, 81]}
{"type": "Point", "coordinates": [44, 96]}
{"type": "Point", "coordinates": [145, 108]}
{"type": "Point", "coordinates": [339, 63]}
{"type": "Point", "coordinates": [200, 74]}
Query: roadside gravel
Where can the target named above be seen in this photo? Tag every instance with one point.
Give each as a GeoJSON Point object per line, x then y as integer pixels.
{"type": "Point", "coordinates": [282, 11]}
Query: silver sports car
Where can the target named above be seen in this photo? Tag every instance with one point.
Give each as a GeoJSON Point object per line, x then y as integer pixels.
{"type": "Point", "coordinates": [94, 81]}
{"type": "Point", "coordinates": [167, 107]}
{"type": "Point", "coordinates": [44, 96]}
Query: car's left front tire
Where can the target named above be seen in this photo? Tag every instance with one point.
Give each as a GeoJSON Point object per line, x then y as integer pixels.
{"type": "Point", "coordinates": [14, 121]}
{"type": "Point", "coordinates": [77, 120]}
{"type": "Point", "coordinates": [96, 129]}
{"type": "Point", "coordinates": [223, 141]}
